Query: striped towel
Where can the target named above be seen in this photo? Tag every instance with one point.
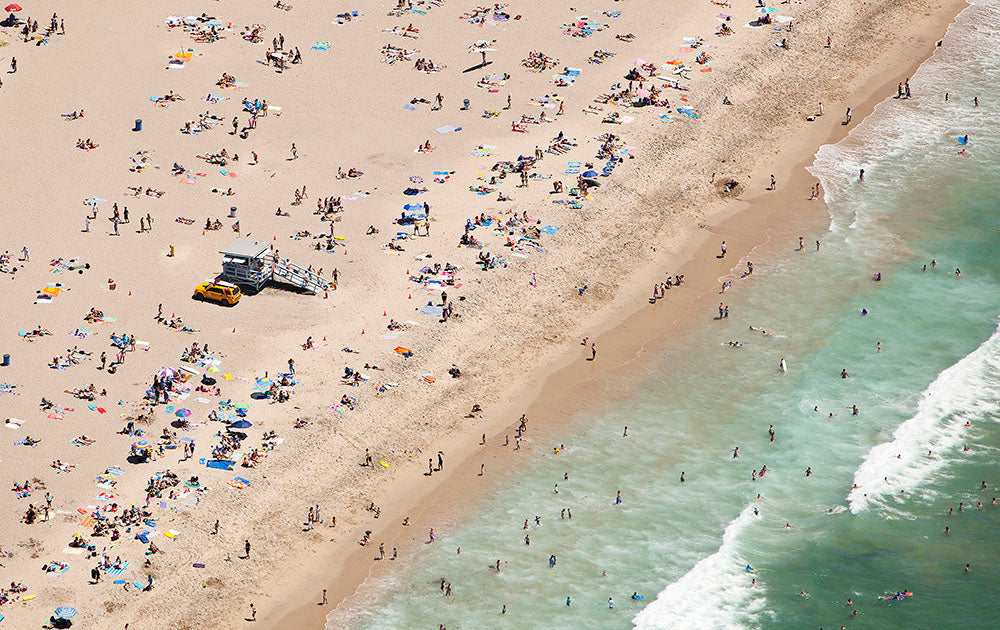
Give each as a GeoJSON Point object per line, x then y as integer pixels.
{"type": "Point", "coordinates": [87, 521]}
{"type": "Point", "coordinates": [117, 571]}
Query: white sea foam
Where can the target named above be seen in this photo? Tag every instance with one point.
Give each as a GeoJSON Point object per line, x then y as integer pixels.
{"type": "Point", "coordinates": [967, 391]}
{"type": "Point", "coordinates": [715, 594]}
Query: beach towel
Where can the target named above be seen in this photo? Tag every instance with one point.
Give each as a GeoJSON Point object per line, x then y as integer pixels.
{"type": "Point", "coordinates": [117, 571]}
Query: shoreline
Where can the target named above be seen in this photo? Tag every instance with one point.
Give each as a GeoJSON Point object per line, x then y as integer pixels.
{"type": "Point", "coordinates": [643, 332]}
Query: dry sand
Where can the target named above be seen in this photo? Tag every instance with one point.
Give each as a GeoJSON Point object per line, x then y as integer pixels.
{"type": "Point", "coordinates": [658, 213]}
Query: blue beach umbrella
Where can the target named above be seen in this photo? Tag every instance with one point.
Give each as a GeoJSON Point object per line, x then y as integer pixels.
{"type": "Point", "coordinates": [64, 612]}
{"type": "Point", "coordinates": [241, 424]}
{"type": "Point", "coordinates": [590, 173]}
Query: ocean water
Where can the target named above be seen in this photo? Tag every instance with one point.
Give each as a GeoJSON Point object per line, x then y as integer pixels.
{"type": "Point", "coordinates": [926, 437]}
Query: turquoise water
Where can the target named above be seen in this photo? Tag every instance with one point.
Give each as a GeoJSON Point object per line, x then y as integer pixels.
{"type": "Point", "coordinates": [933, 390]}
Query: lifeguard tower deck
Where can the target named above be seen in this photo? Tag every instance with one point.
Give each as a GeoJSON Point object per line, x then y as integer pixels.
{"type": "Point", "coordinates": [250, 263]}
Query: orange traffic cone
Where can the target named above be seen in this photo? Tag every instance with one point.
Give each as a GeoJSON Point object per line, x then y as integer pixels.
{"type": "Point", "coordinates": [234, 330]}
{"type": "Point", "coordinates": [130, 293]}
{"type": "Point", "coordinates": [409, 296]}
{"type": "Point", "coordinates": [324, 337]}
{"type": "Point", "coordinates": [362, 331]}
{"type": "Point", "coordinates": [383, 312]}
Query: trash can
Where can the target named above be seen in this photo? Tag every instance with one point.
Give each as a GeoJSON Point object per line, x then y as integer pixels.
{"type": "Point", "coordinates": [6, 360]}
{"type": "Point", "coordinates": [138, 124]}
{"type": "Point", "coordinates": [232, 212]}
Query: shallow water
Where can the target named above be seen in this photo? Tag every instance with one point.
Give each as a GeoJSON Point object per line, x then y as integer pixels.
{"type": "Point", "coordinates": [685, 546]}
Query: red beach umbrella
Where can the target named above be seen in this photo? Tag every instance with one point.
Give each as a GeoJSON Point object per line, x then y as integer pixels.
{"type": "Point", "coordinates": [12, 8]}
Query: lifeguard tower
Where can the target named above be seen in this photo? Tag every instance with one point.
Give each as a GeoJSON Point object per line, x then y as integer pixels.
{"type": "Point", "coordinates": [250, 263]}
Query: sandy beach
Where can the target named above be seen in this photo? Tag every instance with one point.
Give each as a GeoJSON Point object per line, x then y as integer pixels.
{"type": "Point", "coordinates": [560, 267]}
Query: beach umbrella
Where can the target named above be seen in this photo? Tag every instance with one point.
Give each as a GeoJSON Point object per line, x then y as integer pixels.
{"type": "Point", "coordinates": [140, 445]}
{"type": "Point", "coordinates": [590, 173]}
{"type": "Point", "coordinates": [214, 368]}
{"type": "Point", "coordinates": [167, 372]}
{"type": "Point", "coordinates": [402, 350]}
{"type": "Point", "coordinates": [64, 612]}
{"type": "Point", "coordinates": [13, 8]}
{"type": "Point", "coordinates": [263, 381]}
{"type": "Point", "coordinates": [241, 424]}
{"type": "Point", "coordinates": [642, 93]}
{"type": "Point", "coordinates": [183, 413]}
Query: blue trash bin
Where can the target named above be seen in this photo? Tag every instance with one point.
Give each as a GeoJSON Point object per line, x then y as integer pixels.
{"type": "Point", "coordinates": [138, 124]}
{"type": "Point", "coordinates": [6, 360]}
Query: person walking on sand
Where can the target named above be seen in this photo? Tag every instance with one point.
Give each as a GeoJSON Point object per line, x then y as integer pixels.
{"type": "Point", "coordinates": [723, 248]}
{"type": "Point", "coordinates": [324, 597]}
{"type": "Point", "coordinates": [295, 152]}
{"type": "Point", "coordinates": [246, 548]}
{"type": "Point", "coordinates": [253, 612]}
{"type": "Point", "coordinates": [593, 351]}
{"type": "Point", "coordinates": [774, 183]}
